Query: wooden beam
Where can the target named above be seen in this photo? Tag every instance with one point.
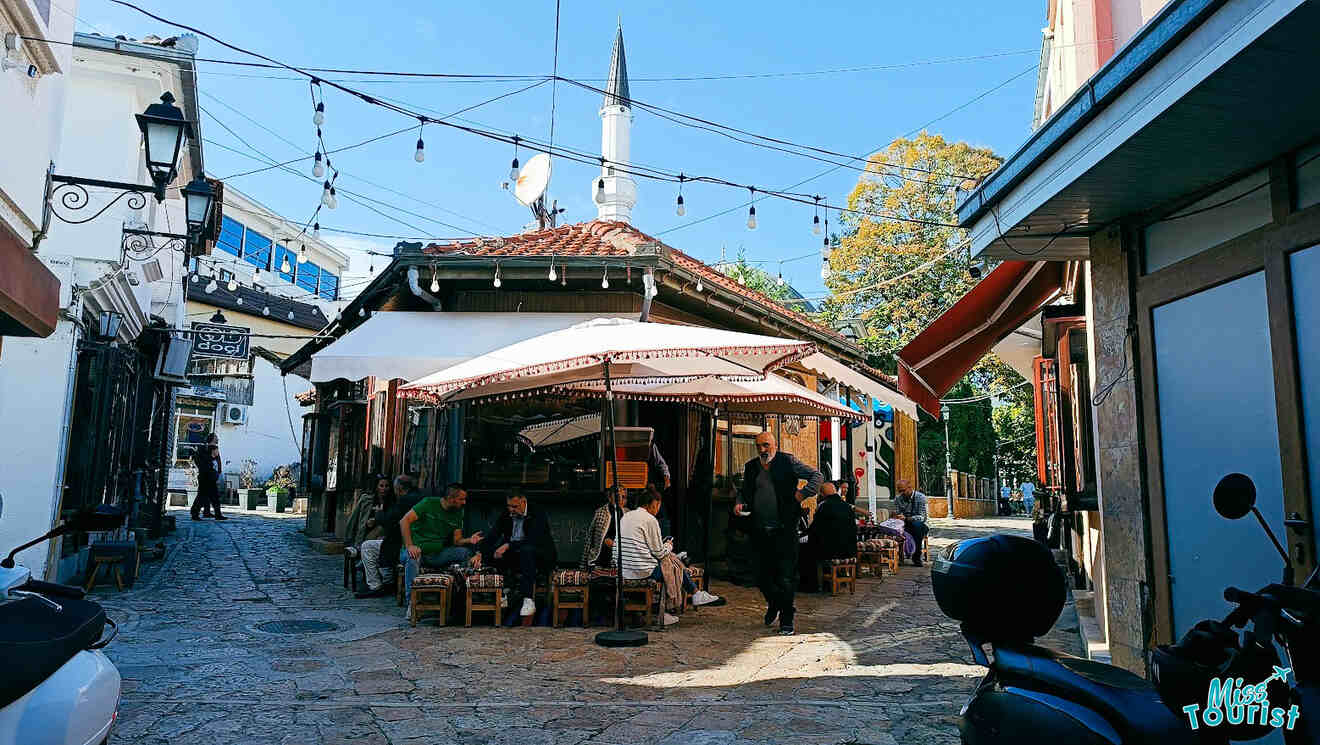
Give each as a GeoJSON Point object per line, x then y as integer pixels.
{"type": "Point", "coordinates": [29, 292]}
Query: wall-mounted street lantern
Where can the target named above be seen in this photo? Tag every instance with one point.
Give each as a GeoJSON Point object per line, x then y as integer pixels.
{"type": "Point", "coordinates": [108, 325]}
{"type": "Point", "coordinates": [163, 128]}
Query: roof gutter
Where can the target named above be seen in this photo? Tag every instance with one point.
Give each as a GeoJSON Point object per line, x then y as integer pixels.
{"type": "Point", "coordinates": [1150, 44]}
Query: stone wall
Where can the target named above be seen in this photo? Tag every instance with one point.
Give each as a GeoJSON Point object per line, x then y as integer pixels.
{"type": "Point", "coordinates": [1122, 509]}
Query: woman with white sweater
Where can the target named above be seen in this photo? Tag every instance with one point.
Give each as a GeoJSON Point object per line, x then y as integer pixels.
{"type": "Point", "coordinates": [643, 549]}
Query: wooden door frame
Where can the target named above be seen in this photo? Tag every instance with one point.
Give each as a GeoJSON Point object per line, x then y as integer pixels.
{"type": "Point", "coordinates": [1265, 249]}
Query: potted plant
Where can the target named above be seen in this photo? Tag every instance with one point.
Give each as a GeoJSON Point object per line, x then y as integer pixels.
{"type": "Point", "coordinates": [247, 478]}
{"type": "Point", "coordinates": [279, 488]}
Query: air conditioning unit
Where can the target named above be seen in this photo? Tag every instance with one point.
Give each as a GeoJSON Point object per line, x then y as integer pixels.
{"type": "Point", "coordinates": [235, 414]}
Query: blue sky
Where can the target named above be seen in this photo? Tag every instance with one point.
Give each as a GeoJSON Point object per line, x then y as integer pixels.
{"type": "Point", "coordinates": [852, 112]}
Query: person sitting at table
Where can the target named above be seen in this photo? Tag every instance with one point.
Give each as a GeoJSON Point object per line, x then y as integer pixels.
{"type": "Point", "coordinates": [849, 498]}
{"type": "Point", "coordinates": [896, 528]}
{"type": "Point", "coordinates": [600, 548]}
{"type": "Point", "coordinates": [520, 539]}
{"type": "Point", "coordinates": [832, 535]}
{"type": "Point", "coordinates": [645, 555]}
{"type": "Point", "coordinates": [432, 533]}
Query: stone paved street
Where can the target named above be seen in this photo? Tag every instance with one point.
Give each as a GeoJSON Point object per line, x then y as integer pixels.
{"type": "Point", "coordinates": [882, 666]}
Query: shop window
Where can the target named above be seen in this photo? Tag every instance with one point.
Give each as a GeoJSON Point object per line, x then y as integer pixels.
{"type": "Point", "coordinates": [495, 458]}
{"type": "Point", "coordinates": [1308, 177]}
{"type": "Point", "coordinates": [1238, 208]}
{"type": "Point", "coordinates": [192, 424]}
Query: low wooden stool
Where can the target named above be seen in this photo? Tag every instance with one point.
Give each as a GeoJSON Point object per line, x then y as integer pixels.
{"type": "Point", "coordinates": [570, 589]}
{"type": "Point", "coordinates": [479, 586]}
{"type": "Point", "coordinates": [106, 561]}
{"type": "Point", "coordinates": [870, 558]}
{"type": "Point", "coordinates": [431, 592]}
{"type": "Point", "coordinates": [839, 573]}
{"type": "Point", "coordinates": [647, 588]}
{"type": "Point", "coordinates": [889, 553]}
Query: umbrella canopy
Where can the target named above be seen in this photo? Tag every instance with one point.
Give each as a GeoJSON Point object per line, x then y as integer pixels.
{"type": "Point", "coordinates": [773, 395]}
{"type": "Point", "coordinates": [559, 431]}
{"type": "Point", "coordinates": [634, 352]}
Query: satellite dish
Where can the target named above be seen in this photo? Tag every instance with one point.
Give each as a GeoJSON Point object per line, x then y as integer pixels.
{"type": "Point", "coordinates": [533, 179]}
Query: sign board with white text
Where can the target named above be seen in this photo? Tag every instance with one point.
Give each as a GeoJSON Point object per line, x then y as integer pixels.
{"type": "Point", "coordinates": [216, 340]}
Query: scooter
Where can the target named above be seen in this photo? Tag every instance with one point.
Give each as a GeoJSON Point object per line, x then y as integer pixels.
{"type": "Point", "coordinates": [1032, 694]}
{"type": "Point", "coordinates": [57, 687]}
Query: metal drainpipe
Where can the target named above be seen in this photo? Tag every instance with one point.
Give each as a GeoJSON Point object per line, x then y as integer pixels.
{"type": "Point", "coordinates": [413, 277]}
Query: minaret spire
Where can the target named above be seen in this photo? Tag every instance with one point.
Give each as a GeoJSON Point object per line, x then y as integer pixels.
{"type": "Point", "coordinates": [619, 194]}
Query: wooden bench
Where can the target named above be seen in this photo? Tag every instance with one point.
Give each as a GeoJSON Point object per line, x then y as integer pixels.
{"type": "Point", "coordinates": [109, 562]}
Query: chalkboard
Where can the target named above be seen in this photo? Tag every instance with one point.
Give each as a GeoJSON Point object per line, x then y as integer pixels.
{"type": "Point", "coordinates": [216, 340]}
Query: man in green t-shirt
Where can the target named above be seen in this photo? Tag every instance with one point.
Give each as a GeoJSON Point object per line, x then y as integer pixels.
{"type": "Point", "coordinates": [433, 534]}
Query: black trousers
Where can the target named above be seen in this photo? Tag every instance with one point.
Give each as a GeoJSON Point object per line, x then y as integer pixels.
{"type": "Point", "coordinates": [208, 498]}
{"type": "Point", "coordinates": [775, 552]}
{"type": "Point", "coordinates": [918, 531]}
{"type": "Point", "coordinates": [520, 560]}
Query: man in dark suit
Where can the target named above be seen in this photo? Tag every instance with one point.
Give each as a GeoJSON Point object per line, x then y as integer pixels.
{"type": "Point", "coordinates": [832, 535]}
{"type": "Point", "coordinates": [770, 495]}
{"type": "Point", "coordinates": [520, 539]}
{"type": "Point", "coordinates": [208, 475]}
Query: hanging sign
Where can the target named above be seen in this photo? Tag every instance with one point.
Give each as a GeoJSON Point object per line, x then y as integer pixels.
{"type": "Point", "coordinates": [215, 340]}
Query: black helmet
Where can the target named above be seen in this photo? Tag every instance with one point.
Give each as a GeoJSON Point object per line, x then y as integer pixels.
{"type": "Point", "coordinates": [1004, 588]}
{"type": "Point", "coordinates": [1209, 650]}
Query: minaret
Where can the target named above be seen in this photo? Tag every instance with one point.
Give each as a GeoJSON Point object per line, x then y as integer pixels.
{"type": "Point", "coordinates": [620, 192]}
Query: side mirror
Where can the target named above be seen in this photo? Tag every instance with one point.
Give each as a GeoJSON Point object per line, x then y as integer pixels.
{"type": "Point", "coordinates": [1235, 495]}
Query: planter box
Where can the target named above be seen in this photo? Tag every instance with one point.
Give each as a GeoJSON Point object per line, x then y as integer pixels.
{"type": "Point", "coordinates": [253, 498]}
{"type": "Point", "coordinates": [178, 498]}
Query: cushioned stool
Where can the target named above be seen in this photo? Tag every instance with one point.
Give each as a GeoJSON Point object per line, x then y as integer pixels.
{"type": "Point", "coordinates": [870, 558]}
{"type": "Point", "coordinates": [840, 573]}
{"type": "Point", "coordinates": [484, 591]}
{"type": "Point", "coordinates": [640, 595]}
{"type": "Point", "coordinates": [430, 592]}
{"type": "Point", "coordinates": [570, 589]}
{"type": "Point", "coordinates": [889, 552]}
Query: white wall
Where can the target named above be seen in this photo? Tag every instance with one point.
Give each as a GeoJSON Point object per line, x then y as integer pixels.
{"type": "Point", "coordinates": [33, 394]}
{"type": "Point", "coordinates": [266, 438]}
{"type": "Point", "coordinates": [33, 110]}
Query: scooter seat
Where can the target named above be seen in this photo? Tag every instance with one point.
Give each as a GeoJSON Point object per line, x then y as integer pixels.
{"type": "Point", "coordinates": [35, 640]}
{"type": "Point", "coordinates": [1127, 701]}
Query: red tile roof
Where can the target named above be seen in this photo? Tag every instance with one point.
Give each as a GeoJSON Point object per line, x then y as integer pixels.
{"type": "Point", "coordinates": [614, 238]}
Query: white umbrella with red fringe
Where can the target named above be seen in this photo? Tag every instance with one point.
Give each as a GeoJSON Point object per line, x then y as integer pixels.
{"type": "Point", "coordinates": [610, 352]}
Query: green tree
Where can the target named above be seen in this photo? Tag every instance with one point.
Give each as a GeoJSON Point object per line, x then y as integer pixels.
{"type": "Point", "coordinates": [923, 247]}
{"type": "Point", "coordinates": [755, 278]}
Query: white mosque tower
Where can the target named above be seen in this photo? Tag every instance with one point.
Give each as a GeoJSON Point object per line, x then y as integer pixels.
{"type": "Point", "coordinates": [619, 195]}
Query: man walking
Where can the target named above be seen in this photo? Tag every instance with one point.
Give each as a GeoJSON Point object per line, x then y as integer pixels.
{"type": "Point", "coordinates": [206, 458]}
{"type": "Point", "coordinates": [771, 496]}
{"type": "Point", "coordinates": [910, 505]}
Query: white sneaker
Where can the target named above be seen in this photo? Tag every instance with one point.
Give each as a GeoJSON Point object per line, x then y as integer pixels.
{"type": "Point", "coordinates": [670, 619]}
{"type": "Point", "coordinates": [528, 607]}
{"type": "Point", "coordinates": [701, 597]}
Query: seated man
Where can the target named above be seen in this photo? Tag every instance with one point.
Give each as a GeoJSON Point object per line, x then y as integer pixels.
{"type": "Point", "coordinates": [520, 539]}
{"type": "Point", "coordinates": [379, 577]}
{"type": "Point", "coordinates": [910, 506]}
{"type": "Point", "coordinates": [643, 550]}
{"type": "Point", "coordinates": [832, 535]}
{"type": "Point", "coordinates": [432, 534]}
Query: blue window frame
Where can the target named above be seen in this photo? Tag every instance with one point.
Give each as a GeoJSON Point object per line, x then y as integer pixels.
{"type": "Point", "coordinates": [231, 236]}
{"type": "Point", "coordinates": [280, 253]}
{"type": "Point", "coordinates": [329, 286]}
{"type": "Point", "coordinates": [309, 275]}
{"type": "Point", "coordinates": [256, 250]}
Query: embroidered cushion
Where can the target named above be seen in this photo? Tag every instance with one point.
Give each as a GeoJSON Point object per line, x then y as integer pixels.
{"type": "Point", "coordinates": [843, 561]}
{"type": "Point", "coordinates": [643, 582]}
{"type": "Point", "coordinates": [436, 581]}
{"type": "Point", "coordinates": [480, 578]}
{"type": "Point", "coordinates": [570, 578]}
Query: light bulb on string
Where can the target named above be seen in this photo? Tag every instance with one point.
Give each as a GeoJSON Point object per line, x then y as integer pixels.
{"type": "Point", "coordinates": [325, 194]}
{"type": "Point", "coordinates": [290, 316]}
{"type": "Point", "coordinates": [552, 276]}
{"type": "Point", "coordinates": [265, 310]}
{"type": "Point", "coordinates": [302, 254]}
{"type": "Point", "coordinates": [233, 285]}
{"type": "Point", "coordinates": [285, 268]}
{"type": "Point", "coordinates": [194, 278]}
{"type": "Point", "coordinates": [600, 191]}
{"type": "Point", "coordinates": [699, 286]}
{"type": "Point", "coordinates": [605, 279]}
{"type": "Point", "coordinates": [513, 169]}
{"type": "Point", "coordinates": [815, 219]}
{"type": "Point", "coordinates": [435, 282]}
{"type": "Point", "coordinates": [420, 155]}
{"type": "Point", "coordinates": [680, 209]}
{"type": "Point", "coordinates": [316, 231]}
{"type": "Point", "coordinates": [334, 198]}
{"type": "Point", "coordinates": [751, 211]}
{"type": "Point", "coordinates": [497, 281]}
{"type": "Point", "coordinates": [825, 269]}
{"type": "Point", "coordinates": [210, 287]}
{"type": "Point", "coordinates": [780, 280]}
{"type": "Point", "coordinates": [319, 117]}
{"type": "Point", "coordinates": [318, 168]}
{"type": "Point", "coordinates": [239, 301]}
{"type": "Point", "coordinates": [362, 312]}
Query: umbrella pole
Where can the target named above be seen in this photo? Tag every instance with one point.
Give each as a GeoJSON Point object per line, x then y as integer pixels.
{"type": "Point", "coordinates": [618, 637]}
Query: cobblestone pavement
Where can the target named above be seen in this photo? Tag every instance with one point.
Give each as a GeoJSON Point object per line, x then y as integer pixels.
{"type": "Point", "coordinates": [882, 666]}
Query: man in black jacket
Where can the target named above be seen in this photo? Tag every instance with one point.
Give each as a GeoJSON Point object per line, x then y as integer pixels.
{"type": "Point", "coordinates": [770, 495]}
{"type": "Point", "coordinates": [208, 487]}
{"type": "Point", "coordinates": [520, 539]}
{"type": "Point", "coordinates": [832, 535]}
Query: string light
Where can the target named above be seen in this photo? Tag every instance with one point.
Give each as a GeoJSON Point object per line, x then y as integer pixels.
{"type": "Point", "coordinates": [318, 168]}
{"type": "Point", "coordinates": [420, 155]}
{"type": "Point", "coordinates": [194, 278]}
{"type": "Point", "coordinates": [256, 276]}
{"type": "Point", "coordinates": [513, 176]}
{"type": "Point", "coordinates": [334, 198]}
{"type": "Point", "coordinates": [600, 191]}
{"type": "Point", "coordinates": [325, 194]}
{"type": "Point", "coordinates": [285, 268]}
{"type": "Point", "coordinates": [563, 276]}
{"type": "Point", "coordinates": [825, 250]}
{"type": "Point", "coordinates": [319, 117]}
{"type": "Point", "coordinates": [825, 269]}
{"type": "Point", "coordinates": [699, 287]}
{"type": "Point", "coordinates": [362, 313]}
{"type": "Point", "coordinates": [435, 282]}
{"type": "Point", "coordinates": [265, 310]}
{"type": "Point", "coordinates": [552, 276]}
{"type": "Point", "coordinates": [290, 316]}
{"type": "Point", "coordinates": [815, 220]}
{"type": "Point", "coordinates": [680, 210]}
{"type": "Point", "coordinates": [210, 287]}
{"type": "Point", "coordinates": [302, 254]}
{"type": "Point", "coordinates": [751, 211]}
{"type": "Point", "coordinates": [233, 284]}
{"type": "Point", "coordinates": [316, 231]}
{"type": "Point", "coordinates": [240, 301]}
{"type": "Point", "coordinates": [605, 279]}
{"type": "Point", "coordinates": [780, 280]}
{"type": "Point", "coordinates": [497, 282]}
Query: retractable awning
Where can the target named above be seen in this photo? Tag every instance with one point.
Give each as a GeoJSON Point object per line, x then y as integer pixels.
{"type": "Point", "coordinates": [835, 370]}
{"type": "Point", "coordinates": [942, 354]}
{"type": "Point", "coordinates": [412, 345]}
